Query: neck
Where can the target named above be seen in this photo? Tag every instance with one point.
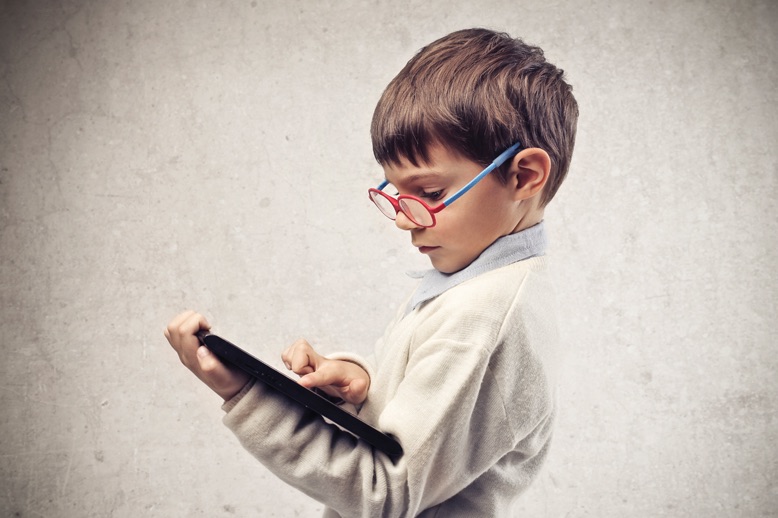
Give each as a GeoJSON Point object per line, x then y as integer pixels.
{"type": "Point", "coordinates": [529, 219]}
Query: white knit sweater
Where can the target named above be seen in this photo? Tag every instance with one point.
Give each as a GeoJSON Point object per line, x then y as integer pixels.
{"type": "Point", "coordinates": [465, 382]}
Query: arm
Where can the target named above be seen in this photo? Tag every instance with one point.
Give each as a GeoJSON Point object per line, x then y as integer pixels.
{"type": "Point", "coordinates": [292, 441]}
{"type": "Point", "coordinates": [451, 431]}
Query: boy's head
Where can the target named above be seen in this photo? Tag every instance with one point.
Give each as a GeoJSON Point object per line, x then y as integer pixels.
{"type": "Point", "coordinates": [477, 92]}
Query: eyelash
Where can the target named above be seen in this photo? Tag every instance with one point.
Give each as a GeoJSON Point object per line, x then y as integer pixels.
{"type": "Point", "coordinates": [434, 196]}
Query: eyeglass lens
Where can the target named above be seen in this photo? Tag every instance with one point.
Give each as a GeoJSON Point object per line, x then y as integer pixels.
{"type": "Point", "coordinates": [383, 204]}
{"type": "Point", "coordinates": [413, 209]}
{"type": "Point", "coordinates": [416, 212]}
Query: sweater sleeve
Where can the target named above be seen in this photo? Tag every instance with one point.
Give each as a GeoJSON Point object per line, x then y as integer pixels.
{"type": "Point", "coordinates": [326, 463]}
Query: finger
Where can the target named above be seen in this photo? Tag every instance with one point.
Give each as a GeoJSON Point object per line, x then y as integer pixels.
{"type": "Point", "coordinates": [208, 361]}
{"type": "Point", "coordinates": [192, 324]}
{"type": "Point", "coordinates": [171, 331]}
{"type": "Point", "coordinates": [224, 380]}
{"type": "Point", "coordinates": [187, 329]}
{"type": "Point", "coordinates": [302, 358]}
{"type": "Point", "coordinates": [314, 379]}
{"type": "Point", "coordinates": [325, 376]}
{"type": "Point", "coordinates": [184, 325]}
{"type": "Point", "coordinates": [286, 356]}
{"type": "Point", "coordinates": [353, 391]}
{"type": "Point", "coordinates": [182, 336]}
{"type": "Point", "coordinates": [300, 364]}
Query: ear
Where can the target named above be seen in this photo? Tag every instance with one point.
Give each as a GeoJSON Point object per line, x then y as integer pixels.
{"type": "Point", "coordinates": [529, 172]}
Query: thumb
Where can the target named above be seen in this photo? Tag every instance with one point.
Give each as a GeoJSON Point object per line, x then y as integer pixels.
{"type": "Point", "coordinates": [209, 364]}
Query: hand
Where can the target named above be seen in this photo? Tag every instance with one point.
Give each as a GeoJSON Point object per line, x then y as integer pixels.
{"type": "Point", "coordinates": [338, 378]}
{"type": "Point", "coordinates": [223, 379]}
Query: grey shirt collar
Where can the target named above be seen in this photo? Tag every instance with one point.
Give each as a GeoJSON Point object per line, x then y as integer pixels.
{"type": "Point", "coordinates": [506, 250]}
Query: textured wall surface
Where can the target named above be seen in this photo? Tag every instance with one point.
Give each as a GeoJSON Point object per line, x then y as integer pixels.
{"type": "Point", "coordinates": [157, 156]}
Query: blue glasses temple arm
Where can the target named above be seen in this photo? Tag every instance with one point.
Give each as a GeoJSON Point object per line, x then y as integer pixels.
{"type": "Point", "coordinates": [494, 165]}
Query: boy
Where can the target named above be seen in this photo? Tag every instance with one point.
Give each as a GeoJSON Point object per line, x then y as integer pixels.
{"type": "Point", "coordinates": [464, 376]}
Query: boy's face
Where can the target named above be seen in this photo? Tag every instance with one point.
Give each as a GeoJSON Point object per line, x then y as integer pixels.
{"type": "Point", "coordinates": [469, 225]}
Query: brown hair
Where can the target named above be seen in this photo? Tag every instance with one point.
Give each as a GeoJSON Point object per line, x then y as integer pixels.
{"type": "Point", "coordinates": [477, 92]}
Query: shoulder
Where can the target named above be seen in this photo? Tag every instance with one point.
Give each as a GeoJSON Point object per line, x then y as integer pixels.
{"type": "Point", "coordinates": [482, 307]}
{"type": "Point", "coordinates": [509, 314]}
{"type": "Point", "coordinates": [505, 283]}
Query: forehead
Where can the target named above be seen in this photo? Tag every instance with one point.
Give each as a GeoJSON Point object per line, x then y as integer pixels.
{"type": "Point", "coordinates": [442, 164]}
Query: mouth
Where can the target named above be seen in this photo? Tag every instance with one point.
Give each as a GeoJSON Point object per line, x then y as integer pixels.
{"type": "Point", "coordinates": [427, 249]}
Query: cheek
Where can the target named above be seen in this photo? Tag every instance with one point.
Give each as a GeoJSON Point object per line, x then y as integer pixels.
{"type": "Point", "coordinates": [478, 226]}
{"type": "Point", "coordinates": [455, 224]}
{"type": "Point", "coordinates": [481, 217]}
{"type": "Point", "coordinates": [462, 232]}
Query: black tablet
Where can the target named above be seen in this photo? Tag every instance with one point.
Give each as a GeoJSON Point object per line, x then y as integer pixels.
{"type": "Point", "coordinates": [275, 379]}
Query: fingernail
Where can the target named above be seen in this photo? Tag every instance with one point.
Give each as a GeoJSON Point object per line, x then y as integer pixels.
{"type": "Point", "coordinates": [202, 351]}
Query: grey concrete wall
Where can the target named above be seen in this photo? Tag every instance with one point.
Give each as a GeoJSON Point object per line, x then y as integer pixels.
{"type": "Point", "coordinates": [157, 156]}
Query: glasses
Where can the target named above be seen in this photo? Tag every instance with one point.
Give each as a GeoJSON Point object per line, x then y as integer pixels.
{"type": "Point", "coordinates": [415, 209]}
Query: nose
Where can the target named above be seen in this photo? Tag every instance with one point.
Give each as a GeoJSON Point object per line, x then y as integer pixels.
{"type": "Point", "coordinates": [404, 223]}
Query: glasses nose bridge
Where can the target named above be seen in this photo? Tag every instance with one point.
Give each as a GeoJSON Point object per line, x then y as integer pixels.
{"type": "Point", "coordinates": [399, 210]}
{"type": "Point", "coordinates": [403, 221]}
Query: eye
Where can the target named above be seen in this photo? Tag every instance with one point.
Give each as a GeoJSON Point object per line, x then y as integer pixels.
{"type": "Point", "coordinates": [434, 195]}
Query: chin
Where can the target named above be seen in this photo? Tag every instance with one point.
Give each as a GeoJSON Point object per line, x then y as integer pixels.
{"type": "Point", "coordinates": [446, 268]}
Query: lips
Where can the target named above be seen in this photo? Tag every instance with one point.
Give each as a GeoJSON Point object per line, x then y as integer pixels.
{"type": "Point", "coordinates": [427, 249]}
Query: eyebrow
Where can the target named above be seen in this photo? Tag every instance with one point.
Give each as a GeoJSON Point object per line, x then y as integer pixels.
{"type": "Point", "coordinates": [416, 177]}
